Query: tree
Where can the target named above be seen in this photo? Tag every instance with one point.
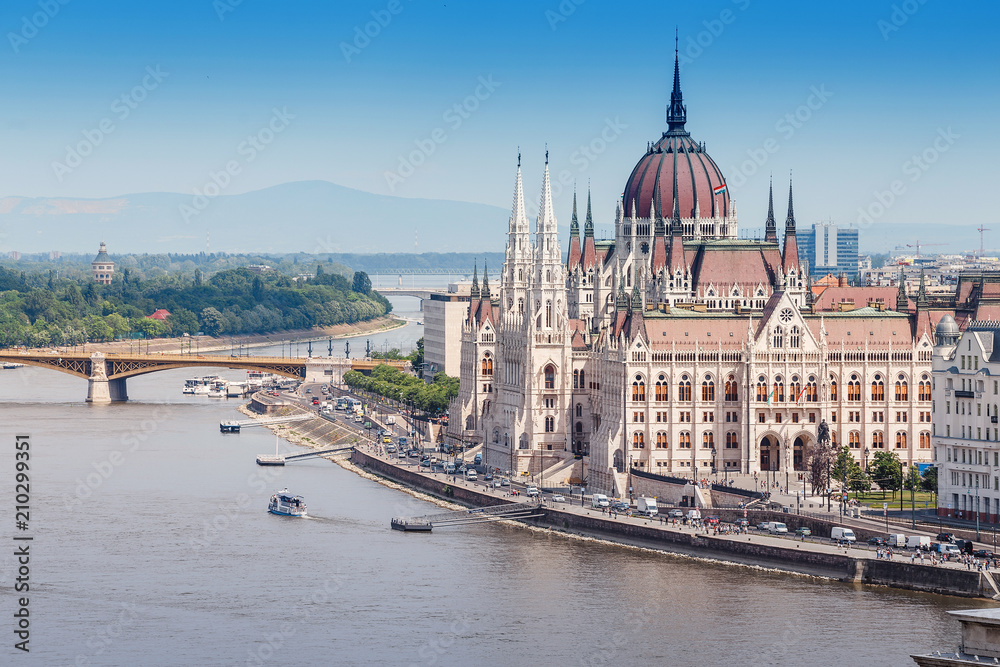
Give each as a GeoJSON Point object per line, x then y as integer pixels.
{"type": "Point", "coordinates": [845, 467]}
{"type": "Point", "coordinates": [885, 471]}
{"type": "Point", "coordinates": [362, 283]}
{"type": "Point", "coordinates": [182, 321]}
{"type": "Point", "coordinates": [929, 481]}
{"type": "Point", "coordinates": [212, 321]}
{"type": "Point", "coordinates": [151, 328]}
{"type": "Point", "coordinates": [912, 481]}
{"type": "Point", "coordinates": [197, 277]}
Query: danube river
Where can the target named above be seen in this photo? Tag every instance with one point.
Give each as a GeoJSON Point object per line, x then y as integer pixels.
{"type": "Point", "coordinates": [153, 547]}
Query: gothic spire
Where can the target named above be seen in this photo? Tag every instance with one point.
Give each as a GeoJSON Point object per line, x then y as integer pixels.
{"type": "Point", "coordinates": [474, 292]}
{"type": "Point", "coordinates": [588, 228]}
{"type": "Point", "coordinates": [676, 112]}
{"type": "Point", "coordinates": [790, 220]}
{"type": "Point", "coordinates": [636, 304]}
{"type": "Point", "coordinates": [902, 302]}
{"type": "Point", "coordinates": [622, 301]}
{"type": "Point", "coordinates": [574, 225]}
{"type": "Point", "coordinates": [771, 227]}
{"type": "Point", "coordinates": [675, 219]}
{"type": "Point", "coordinates": [486, 282]}
{"type": "Point", "coordinates": [922, 292]}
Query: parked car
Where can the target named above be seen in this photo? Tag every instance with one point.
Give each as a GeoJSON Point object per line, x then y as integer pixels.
{"type": "Point", "coordinates": [964, 545]}
{"type": "Point", "coordinates": [619, 505]}
{"type": "Point", "coordinates": [983, 553]}
{"type": "Point", "coordinates": [426, 463]}
{"type": "Point", "coordinates": [531, 491]}
{"type": "Point", "coordinates": [946, 538]}
{"type": "Point", "coordinates": [877, 542]}
{"type": "Point", "coordinates": [742, 523]}
{"type": "Point", "coordinates": [677, 514]}
{"type": "Point", "coordinates": [488, 477]}
{"type": "Point", "coordinates": [497, 483]}
{"type": "Point", "coordinates": [803, 532]}
{"type": "Point", "coordinates": [558, 498]}
{"type": "Point", "coordinates": [712, 521]}
{"type": "Point", "coordinates": [504, 482]}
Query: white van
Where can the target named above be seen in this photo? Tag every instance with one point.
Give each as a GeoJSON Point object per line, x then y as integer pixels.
{"type": "Point", "coordinates": [599, 500]}
{"type": "Point", "coordinates": [775, 527]}
{"type": "Point", "coordinates": [471, 475]}
{"type": "Point", "coordinates": [896, 540]}
{"type": "Point", "coordinates": [647, 506]}
{"type": "Point", "coordinates": [693, 515]}
{"type": "Point", "coordinates": [918, 542]}
{"type": "Point", "coordinates": [390, 420]}
{"type": "Point", "coordinates": [842, 534]}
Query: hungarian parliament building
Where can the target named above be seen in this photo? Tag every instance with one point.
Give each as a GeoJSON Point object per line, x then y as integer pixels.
{"type": "Point", "coordinates": [680, 349]}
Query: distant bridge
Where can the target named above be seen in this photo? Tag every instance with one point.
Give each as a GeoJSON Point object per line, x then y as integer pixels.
{"type": "Point", "coordinates": [405, 291]}
{"type": "Point", "coordinates": [106, 373]}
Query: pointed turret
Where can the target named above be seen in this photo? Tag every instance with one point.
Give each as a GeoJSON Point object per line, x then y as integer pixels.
{"type": "Point", "coordinates": [636, 305]}
{"type": "Point", "coordinates": [589, 259]}
{"type": "Point", "coordinates": [902, 301]}
{"type": "Point", "coordinates": [676, 112]}
{"type": "Point", "coordinates": [486, 283]}
{"type": "Point", "coordinates": [588, 227]}
{"type": "Point", "coordinates": [622, 301]}
{"type": "Point", "coordinates": [547, 250]}
{"type": "Point", "coordinates": [575, 253]}
{"type": "Point", "coordinates": [790, 254]}
{"type": "Point", "coordinates": [474, 292]}
{"type": "Point", "coordinates": [771, 227]}
{"type": "Point", "coordinates": [922, 301]}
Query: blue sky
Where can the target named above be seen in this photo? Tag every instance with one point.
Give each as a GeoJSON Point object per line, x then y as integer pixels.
{"type": "Point", "coordinates": [886, 81]}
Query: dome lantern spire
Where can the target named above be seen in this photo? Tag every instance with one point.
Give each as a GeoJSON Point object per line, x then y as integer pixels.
{"type": "Point", "coordinates": [676, 112]}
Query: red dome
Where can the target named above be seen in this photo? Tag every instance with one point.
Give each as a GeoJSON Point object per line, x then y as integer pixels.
{"type": "Point", "coordinates": [676, 157]}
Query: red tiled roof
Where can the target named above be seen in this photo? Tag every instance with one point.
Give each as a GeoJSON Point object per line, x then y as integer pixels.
{"type": "Point", "coordinates": [725, 265]}
{"type": "Point", "coordinates": [160, 314]}
{"type": "Point", "coordinates": [684, 331]}
{"type": "Point", "coordinates": [790, 255]}
{"type": "Point", "coordinates": [860, 296]}
{"type": "Point", "coordinates": [696, 176]}
{"type": "Point", "coordinates": [589, 255]}
{"type": "Point", "coordinates": [573, 259]}
{"type": "Point", "coordinates": [659, 254]}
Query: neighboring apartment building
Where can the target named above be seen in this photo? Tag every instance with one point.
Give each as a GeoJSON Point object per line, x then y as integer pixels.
{"type": "Point", "coordinates": [444, 315]}
{"type": "Point", "coordinates": [966, 395]}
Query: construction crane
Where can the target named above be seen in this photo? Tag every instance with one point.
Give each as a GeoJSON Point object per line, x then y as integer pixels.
{"type": "Point", "coordinates": [981, 230]}
{"type": "Point", "coordinates": [918, 245]}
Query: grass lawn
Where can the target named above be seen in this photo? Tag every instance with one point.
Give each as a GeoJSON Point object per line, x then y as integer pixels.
{"type": "Point", "coordinates": [875, 499]}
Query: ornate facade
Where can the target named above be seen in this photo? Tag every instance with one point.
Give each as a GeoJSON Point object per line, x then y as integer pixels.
{"type": "Point", "coordinates": [676, 347]}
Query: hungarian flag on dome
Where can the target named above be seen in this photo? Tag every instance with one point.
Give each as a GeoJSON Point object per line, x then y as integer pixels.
{"type": "Point", "coordinates": [719, 190]}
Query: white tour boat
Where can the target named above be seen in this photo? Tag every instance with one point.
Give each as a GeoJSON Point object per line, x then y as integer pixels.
{"type": "Point", "coordinates": [285, 504]}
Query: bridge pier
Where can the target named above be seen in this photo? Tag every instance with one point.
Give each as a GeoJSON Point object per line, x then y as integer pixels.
{"type": "Point", "coordinates": [100, 389]}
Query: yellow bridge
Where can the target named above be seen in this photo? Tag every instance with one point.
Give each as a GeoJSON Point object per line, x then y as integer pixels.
{"type": "Point", "coordinates": [106, 373]}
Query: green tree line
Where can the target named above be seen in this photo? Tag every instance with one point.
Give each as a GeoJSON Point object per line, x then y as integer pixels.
{"type": "Point", "coordinates": [396, 385]}
{"type": "Point", "coordinates": [38, 310]}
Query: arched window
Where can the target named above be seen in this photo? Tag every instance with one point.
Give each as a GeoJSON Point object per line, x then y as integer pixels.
{"type": "Point", "coordinates": [576, 379]}
{"type": "Point", "coordinates": [924, 391]}
{"type": "Point", "coordinates": [761, 389]}
{"type": "Point", "coordinates": [684, 389]}
{"type": "Point", "coordinates": [732, 440]}
{"type": "Point", "coordinates": [877, 441]}
{"type": "Point", "coordinates": [661, 440]}
{"type": "Point", "coordinates": [550, 377]}
{"type": "Point", "coordinates": [487, 364]}
{"type": "Point", "coordinates": [900, 440]}
{"type": "Point", "coordinates": [548, 313]}
{"type": "Point", "coordinates": [779, 390]}
{"type": "Point", "coordinates": [707, 440]}
{"type": "Point", "coordinates": [708, 389]}
{"type": "Point", "coordinates": [550, 424]}
{"type": "Point", "coordinates": [522, 442]}
{"type": "Point", "coordinates": [794, 389]}
{"type": "Point", "coordinates": [779, 337]}
{"type": "Point", "coordinates": [638, 389]}
{"type": "Point", "coordinates": [854, 440]}
{"type": "Point", "coordinates": [925, 440]}
{"type": "Point", "coordinates": [579, 409]}
{"type": "Point", "coordinates": [833, 390]}
{"type": "Point", "coordinates": [878, 389]}
{"type": "Point", "coordinates": [685, 440]}
{"type": "Point", "coordinates": [583, 379]}
{"type": "Point", "coordinates": [520, 303]}
{"type": "Point", "coordinates": [579, 428]}
{"type": "Point", "coordinates": [638, 440]}
{"type": "Point", "coordinates": [854, 389]}
{"type": "Point", "coordinates": [793, 337]}
{"type": "Point", "coordinates": [902, 389]}
{"type": "Point", "coordinates": [732, 391]}
{"type": "Point", "coordinates": [662, 389]}
{"type": "Point", "coordinates": [812, 391]}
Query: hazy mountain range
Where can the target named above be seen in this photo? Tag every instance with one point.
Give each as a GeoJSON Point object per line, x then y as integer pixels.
{"type": "Point", "coordinates": [319, 217]}
{"type": "Point", "coordinates": [307, 216]}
